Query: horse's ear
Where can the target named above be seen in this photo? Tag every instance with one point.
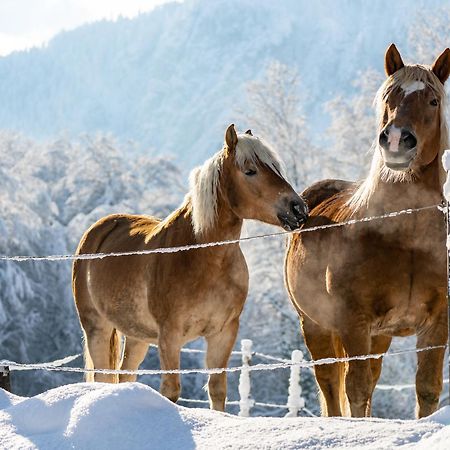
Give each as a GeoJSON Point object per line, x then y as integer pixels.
{"type": "Point", "coordinates": [249, 132]}
{"type": "Point", "coordinates": [231, 137]}
{"type": "Point", "coordinates": [392, 60]}
{"type": "Point", "coordinates": [441, 67]}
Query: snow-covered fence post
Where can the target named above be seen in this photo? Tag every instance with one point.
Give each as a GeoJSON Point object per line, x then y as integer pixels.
{"type": "Point", "coordinates": [295, 400]}
{"type": "Point", "coordinates": [5, 382]}
{"type": "Point", "coordinates": [446, 165]}
{"type": "Point", "coordinates": [245, 402]}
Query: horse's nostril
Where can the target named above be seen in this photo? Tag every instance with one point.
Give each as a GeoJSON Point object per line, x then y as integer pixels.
{"type": "Point", "coordinates": [408, 139]}
{"type": "Point", "coordinates": [384, 136]}
{"type": "Point", "coordinates": [300, 210]}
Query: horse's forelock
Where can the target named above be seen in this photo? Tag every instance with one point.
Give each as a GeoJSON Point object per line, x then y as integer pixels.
{"type": "Point", "coordinates": [407, 76]}
{"type": "Point", "coordinates": [378, 171]}
{"type": "Point", "coordinates": [255, 150]}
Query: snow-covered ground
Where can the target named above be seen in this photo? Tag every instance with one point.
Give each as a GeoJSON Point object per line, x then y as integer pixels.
{"type": "Point", "coordinates": [132, 415]}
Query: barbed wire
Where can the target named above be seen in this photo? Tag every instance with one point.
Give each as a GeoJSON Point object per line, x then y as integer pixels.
{"type": "Point", "coordinates": [280, 363]}
{"type": "Point", "coordinates": [183, 248]}
{"type": "Point", "coordinates": [209, 371]}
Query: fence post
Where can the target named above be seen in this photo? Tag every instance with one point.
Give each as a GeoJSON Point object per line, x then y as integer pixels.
{"type": "Point", "coordinates": [245, 402]}
{"type": "Point", "coordinates": [446, 165]}
{"type": "Point", "coordinates": [5, 381]}
{"type": "Point", "coordinates": [295, 400]}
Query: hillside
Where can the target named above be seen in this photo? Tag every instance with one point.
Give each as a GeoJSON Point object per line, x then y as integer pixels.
{"type": "Point", "coordinates": [171, 79]}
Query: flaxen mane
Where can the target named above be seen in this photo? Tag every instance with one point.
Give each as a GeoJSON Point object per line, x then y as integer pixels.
{"type": "Point", "coordinates": [204, 180]}
{"type": "Point", "coordinates": [401, 79]}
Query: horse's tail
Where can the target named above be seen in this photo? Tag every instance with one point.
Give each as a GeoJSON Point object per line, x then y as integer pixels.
{"type": "Point", "coordinates": [88, 363]}
{"type": "Point", "coordinates": [343, 400]}
{"type": "Point", "coordinates": [115, 353]}
{"type": "Point", "coordinates": [114, 357]}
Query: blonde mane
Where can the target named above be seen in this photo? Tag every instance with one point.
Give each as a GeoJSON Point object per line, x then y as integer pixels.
{"type": "Point", "coordinates": [204, 180]}
{"type": "Point", "coordinates": [378, 171]}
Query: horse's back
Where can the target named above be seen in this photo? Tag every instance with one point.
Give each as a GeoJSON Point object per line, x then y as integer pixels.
{"type": "Point", "coordinates": [323, 190]}
{"type": "Point", "coordinates": [96, 237]}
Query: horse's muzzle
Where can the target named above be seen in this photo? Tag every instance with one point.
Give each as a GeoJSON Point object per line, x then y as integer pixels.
{"type": "Point", "coordinates": [295, 216]}
{"type": "Point", "coordinates": [398, 147]}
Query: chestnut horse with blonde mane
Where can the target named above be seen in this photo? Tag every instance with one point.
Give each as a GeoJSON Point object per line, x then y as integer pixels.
{"type": "Point", "coordinates": [170, 299]}
{"type": "Point", "coordinates": [359, 285]}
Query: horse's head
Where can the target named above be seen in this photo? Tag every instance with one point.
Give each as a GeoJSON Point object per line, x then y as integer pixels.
{"type": "Point", "coordinates": [411, 111]}
{"type": "Point", "coordinates": [253, 183]}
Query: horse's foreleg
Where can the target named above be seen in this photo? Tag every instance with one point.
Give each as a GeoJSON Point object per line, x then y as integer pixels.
{"type": "Point", "coordinates": [358, 381]}
{"type": "Point", "coordinates": [169, 347]}
{"type": "Point", "coordinates": [133, 355]}
{"type": "Point", "coordinates": [320, 344]}
{"type": "Point", "coordinates": [220, 346]}
{"type": "Point", "coordinates": [380, 344]}
{"type": "Point", "coordinates": [429, 367]}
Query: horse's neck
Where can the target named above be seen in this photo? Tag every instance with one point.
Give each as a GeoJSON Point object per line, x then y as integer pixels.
{"type": "Point", "coordinates": [178, 229]}
{"type": "Point", "coordinates": [226, 227]}
{"type": "Point", "coordinates": [424, 190]}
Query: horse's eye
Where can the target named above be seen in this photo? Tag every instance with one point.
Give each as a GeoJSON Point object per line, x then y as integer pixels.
{"type": "Point", "coordinates": [250, 172]}
{"type": "Point", "coordinates": [434, 102]}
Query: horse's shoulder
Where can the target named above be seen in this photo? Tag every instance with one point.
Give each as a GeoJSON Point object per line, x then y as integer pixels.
{"type": "Point", "coordinates": [324, 190]}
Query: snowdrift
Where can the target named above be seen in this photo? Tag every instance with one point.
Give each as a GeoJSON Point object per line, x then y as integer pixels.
{"type": "Point", "coordinates": [132, 415]}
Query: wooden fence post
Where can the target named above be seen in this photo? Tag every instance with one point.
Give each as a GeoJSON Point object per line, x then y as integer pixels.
{"type": "Point", "coordinates": [5, 379]}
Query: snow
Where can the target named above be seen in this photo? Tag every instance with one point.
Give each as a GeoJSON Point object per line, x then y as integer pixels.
{"type": "Point", "coordinates": [295, 399]}
{"type": "Point", "coordinates": [132, 415]}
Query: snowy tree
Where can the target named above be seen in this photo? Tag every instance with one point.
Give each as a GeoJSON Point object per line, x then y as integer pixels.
{"type": "Point", "coordinates": [274, 112]}
{"type": "Point", "coordinates": [428, 34]}
{"type": "Point", "coordinates": [353, 128]}
{"type": "Point", "coordinates": [50, 193]}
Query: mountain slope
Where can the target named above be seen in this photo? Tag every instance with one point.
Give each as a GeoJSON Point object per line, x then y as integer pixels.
{"type": "Point", "coordinates": [172, 79]}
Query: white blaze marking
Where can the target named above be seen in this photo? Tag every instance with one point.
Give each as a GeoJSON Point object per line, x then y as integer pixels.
{"type": "Point", "coordinates": [394, 138]}
{"type": "Point", "coordinates": [412, 86]}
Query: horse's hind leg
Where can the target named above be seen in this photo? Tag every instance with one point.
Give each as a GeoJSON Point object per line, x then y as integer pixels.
{"type": "Point", "coordinates": [380, 344]}
{"type": "Point", "coordinates": [103, 348]}
{"type": "Point", "coordinates": [133, 355]}
{"type": "Point", "coordinates": [219, 349]}
{"type": "Point", "coordinates": [320, 344]}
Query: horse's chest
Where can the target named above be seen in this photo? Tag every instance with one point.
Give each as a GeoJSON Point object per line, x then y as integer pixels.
{"type": "Point", "coordinates": [397, 281]}
{"type": "Point", "coordinates": [216, 302]}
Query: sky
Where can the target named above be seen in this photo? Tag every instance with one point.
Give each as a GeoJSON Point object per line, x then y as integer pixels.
{"type": "Point", "coordinates": [28, 23]}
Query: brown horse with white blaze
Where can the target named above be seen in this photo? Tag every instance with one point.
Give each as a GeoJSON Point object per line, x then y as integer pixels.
{"type": "Point", "coordinates": [172, 298]}
{"type": "Point", "coordinates": [359, 285]}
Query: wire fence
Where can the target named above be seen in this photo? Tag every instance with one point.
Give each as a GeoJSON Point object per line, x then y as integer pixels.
{"type": "Point", "coordinates": [58, 366]}
{"type": "Point", "coordinates": [295, 401]}
{"type": "Point", "coordinates": [183, 248]}
{"type": "Point", "coordinates": [275, 363]}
